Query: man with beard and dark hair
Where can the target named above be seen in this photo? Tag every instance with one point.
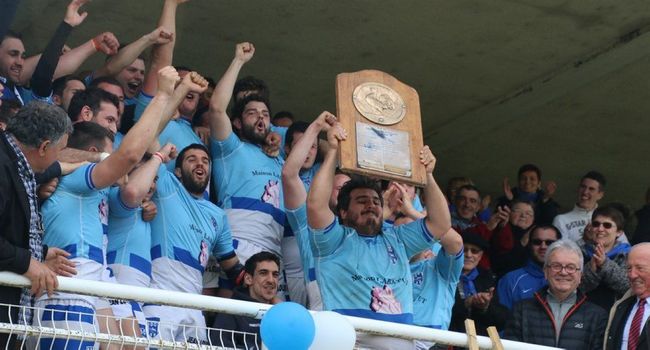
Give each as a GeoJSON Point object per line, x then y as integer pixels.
{"type": "Point", "coordinates": [186, 231]}
{"type": "Point", "coordinates": [247, 180]}
{"type": "Point", "coordinates": [362, 266]}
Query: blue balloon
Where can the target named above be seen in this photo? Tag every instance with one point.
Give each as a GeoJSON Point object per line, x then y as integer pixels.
{"type": "Point", "coordinates": [287, 326]}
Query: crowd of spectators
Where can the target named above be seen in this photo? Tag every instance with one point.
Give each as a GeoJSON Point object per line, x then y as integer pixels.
{"type": "Point", "coordinates": [140, 173]}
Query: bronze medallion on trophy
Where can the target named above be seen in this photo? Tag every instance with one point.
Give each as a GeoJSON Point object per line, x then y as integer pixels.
{"type": "Point", "coordinates": [382, 116]}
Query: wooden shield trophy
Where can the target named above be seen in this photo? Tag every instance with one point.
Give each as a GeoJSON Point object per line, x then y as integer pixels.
{"type": "Point", "coordinates": [382, 117]}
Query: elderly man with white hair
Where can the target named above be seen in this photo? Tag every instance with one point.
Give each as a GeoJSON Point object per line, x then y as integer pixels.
{"type": "Point", "coordinates": [559, 315]}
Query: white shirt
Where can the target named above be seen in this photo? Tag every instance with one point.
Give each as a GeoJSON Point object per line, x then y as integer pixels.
{"type": "Point", "coordinates": [628, 323]}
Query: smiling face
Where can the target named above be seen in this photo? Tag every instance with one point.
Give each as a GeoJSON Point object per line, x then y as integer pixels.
{"type": "Point", "coordinates": [604, 231]}
{"type": "Point", "coordinates": [529, 181]}
{"type": "Point", "coordinates": [12, 58]}
{"type": "Point", "coordinates": [562, 282]}
{"type": "Point", "coordinates": [589, 193]}
{"type": "Point", "coordinates": [467, 203]}
{"type": "Point", "coordinates": [638, 270]}
{"type": "Point", "coordinates": [540, 240]}
{"type": "Point", "coordinates": [522, 215]}
{"type": "Point", "coordinates": [263, 284]}
{"type": "Point", "coordinates": [364, 213]}
{"type": "Point", "coordinates": [473, 255]}
{"type": "Point", "coordinates": [195, 171]}
{"type": "Point", "coordinates": [131, 78]}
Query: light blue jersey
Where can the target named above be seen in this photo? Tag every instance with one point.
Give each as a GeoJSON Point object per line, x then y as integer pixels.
{"type": "Point", "coordinates": [129, 237]}
{"type": "Point", "coordinates": [183, 235]}
{"type": "Point", "coordinates": [72, 216]}
{"type": "Point", "coordinates": [307, 176]}
{"type": "Point", "coordinates": [368, 276]}
{"type": "Point", "coordinates": [297, 221]}
{"type": "Point", "coordinates": [249, 188]}
{"type": "Point", "coordinates": [178, 131]}
{"type": "Point", "coordinates": [434, 289]}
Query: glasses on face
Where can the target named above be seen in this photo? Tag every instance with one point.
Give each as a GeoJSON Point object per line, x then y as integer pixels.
{"type": "Point", "coordinates": [557, 267]}
{"type": "Point", "coordinates": [537, 241]}
{"type": "Point", "coordinates": [473, 250]}
{"type": "Point", "coordinates": [606, 225]}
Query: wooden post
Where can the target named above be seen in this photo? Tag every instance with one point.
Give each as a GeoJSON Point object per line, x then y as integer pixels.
{"type": "Point", "coordinates": [470, 329]}
{"type": "Point", "coordinates": [494, 336]}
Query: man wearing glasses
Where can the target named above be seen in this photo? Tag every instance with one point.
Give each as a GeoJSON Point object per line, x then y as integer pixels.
{"type": "Point", "coordinates": [559, 315]}
{"type": "Point", "coordinates": [522, 283]}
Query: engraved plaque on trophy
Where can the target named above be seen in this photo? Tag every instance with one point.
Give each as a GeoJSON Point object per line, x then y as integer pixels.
{"type": "Point", "coordinates": [382, 117]}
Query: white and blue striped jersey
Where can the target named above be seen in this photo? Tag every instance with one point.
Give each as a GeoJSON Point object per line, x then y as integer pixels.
{"type": "Point", "coordinates": [350, 266]}
{"type": "Point", "coordinates": [73, 216]}
{"type": "Point", "coordinates": [129, 237]}
{"type": "Point", "coordinates": [183, 235]}
{"type": "Point", "coordinates": [434, 289]}
{"type": "Point", "coordinates": [249, 189]}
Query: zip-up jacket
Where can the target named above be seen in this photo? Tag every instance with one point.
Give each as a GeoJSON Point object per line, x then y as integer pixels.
{"type": "Point", "coordinates": [532, 321]}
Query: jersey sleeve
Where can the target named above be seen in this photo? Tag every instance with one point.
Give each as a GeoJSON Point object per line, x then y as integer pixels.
{"type": "Point", "coordinates": [415, 235]}
{"type": "Point", "coordinates": [223, 244]}
{"type": "Point", "coordinates": [450, 266]}
{"type": "Point", "coordinates": [297, 220]}
{"type": "Point", "coordinates": [117, 207]}
{"type": "Point", "coordinates": [222, 149]}
{"type": "Point", "coordinates": [80, 180]}
{"type": "Point", "coordinates": [141, 103]}
{"type": "Point", "coordinates": [324, 242]}
{"type": "Point", "coordinates": [167, 182]}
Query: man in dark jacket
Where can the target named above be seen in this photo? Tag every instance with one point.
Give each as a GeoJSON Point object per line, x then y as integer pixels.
{"type": "Point", "coordinates": [31, 144]}
{"type": "Point", "coordinates": [559, 315]}
{"type": "Point", "coordinates": [628, 319]}
{"type": "Point", "coordinates": [262, 271]}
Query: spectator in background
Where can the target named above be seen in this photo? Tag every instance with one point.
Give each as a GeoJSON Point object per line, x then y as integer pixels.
{"type": "Point", "coordinates": [642, 231]}
{"type": "Point", "coordinates": [560, 315]}
{"type": "Point", "coordinates": [450, 192]}
{"type": "Point", "coordinates": [8, 109]}
{"type": "Point", "coordinates": [511, 236]}
{"type": "Point", "coordinates": [529, 188]}
{"type": "Point", "coordinates": [282, 118]}
{"type": "Point", "coordinates": [628, 320]}
{"type": "Point", "coordinates": [590, 190]}
{"type": "Point", "coordinates": [475, 297]}
{"type": "Point", "coordinates": [262, 272]}
{"type": "Point", "coordinates": [467, 205]}
{"type": "Point", "coordinates": [522, 283]}
{"type": "Point", "coordinates": [603, 279]}
{"type": "Point", "coordinates": [64, 88]}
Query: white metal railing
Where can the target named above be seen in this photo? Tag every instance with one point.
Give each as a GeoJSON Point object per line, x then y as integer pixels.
{"type": "Point", "coordinates": [249, 309]}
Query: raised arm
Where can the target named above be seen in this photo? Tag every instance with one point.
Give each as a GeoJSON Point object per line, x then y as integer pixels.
{"type": "Point", "coordinates": [220, 126]}
{"type": "Point", "coordinates": [129, 53]}
{"type": "Point", "coordinates": [162, 54]}
{"type": "Point", "coordinates": [438, 218]}
{"type": "Point", "coordinates": [294, 190]}
{"type": "Point", "coordinates": [319, 214]}
{"type": "Point", "coordinates": [141, 135]}
{"type": "Point", "coordinates": [141, 178]}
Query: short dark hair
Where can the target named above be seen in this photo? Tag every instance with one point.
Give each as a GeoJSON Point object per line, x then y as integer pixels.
{"type": "Point", "coordinates": [596, 176]}
{"type": "Point", "coordinates": [468, 188]}
{"type": "Point", "coordinates": [8, 109]}
{"type": "Point", "coordinates": [343, 200]}
{"type": "Point", "coordinates": [239, 106]}
{"type": "Point", "coordinates": [181, 156]}
{"type": "Point", "coordinates": [105, 79]}
{"type": "Point", "coordinates": [183, 68]}
{"type": "Point", "coordinates": [522, 201]}
{"type": "Point", "coordinates": [611, 212]}
{"type": "Point", "coordinates": [12, 34]}
{"type": "Point", "coordinates": [558, 234]}
{"type": "Point", "coordinates": [282, 114]}
{"type": "Point", "coordinates": [298, 126]}
{"type": "Point", "coordinates": [89, 134]}
{"type": "Point", "coordinates": [252, 262]}
{"type": "Point", "coordinates": [91, 97]}
{"type": "Point", "coordinates": [59, 84]}
{"type": "Point", "coordinates": [250, 83]}
{"type": "Point", "coordinates": [530, 167]}
{"type": "Point", "coordinates": [37, 122]}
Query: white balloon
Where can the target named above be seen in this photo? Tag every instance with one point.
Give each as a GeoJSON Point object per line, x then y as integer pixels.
{"type": "Point", "coordinates": [333, 331]}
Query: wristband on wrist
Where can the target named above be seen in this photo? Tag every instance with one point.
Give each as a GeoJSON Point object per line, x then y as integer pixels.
{"type": "Point", "coordinates": [95, 44]}
{"type": "Point", "coordinates": [160, 156]}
